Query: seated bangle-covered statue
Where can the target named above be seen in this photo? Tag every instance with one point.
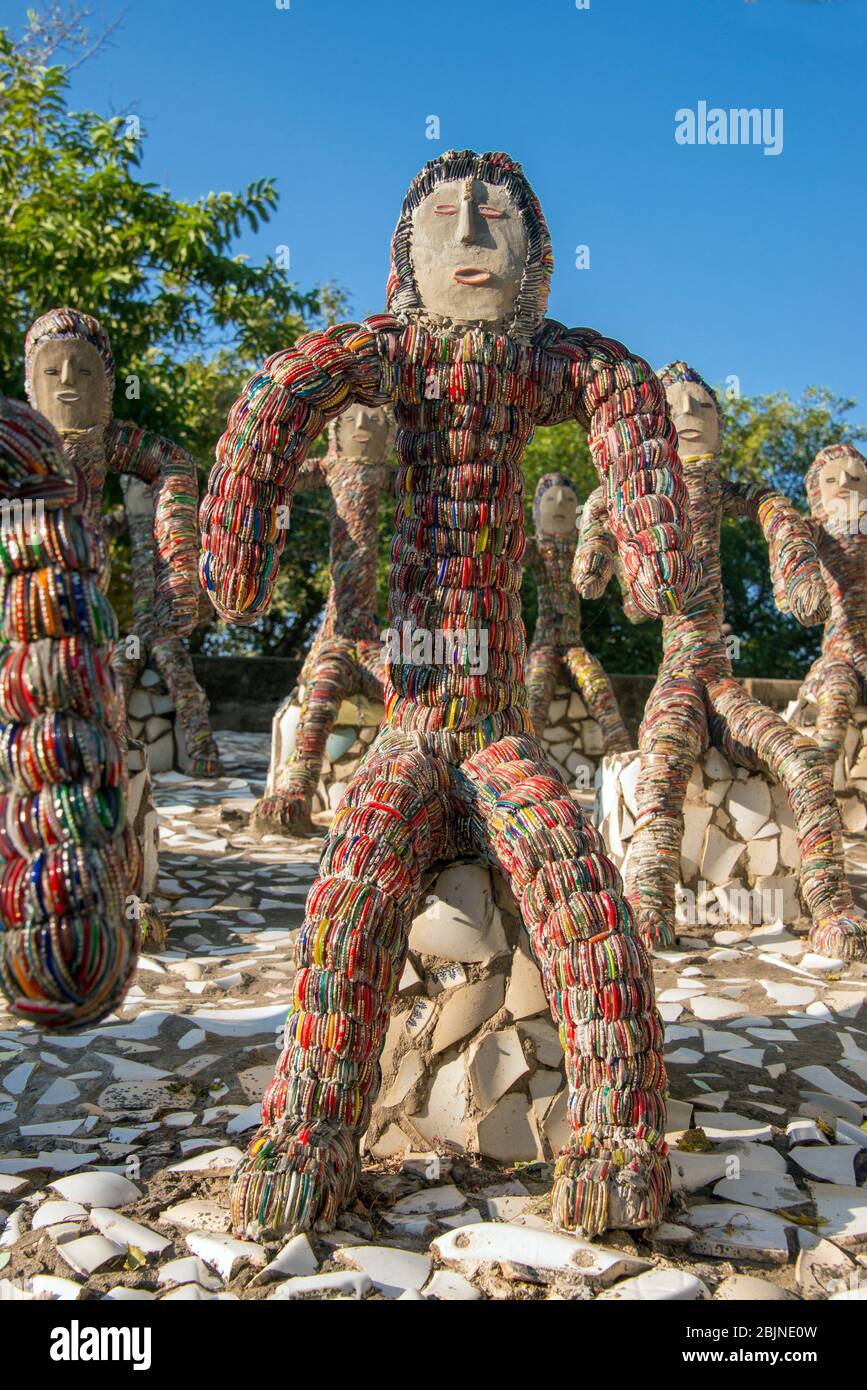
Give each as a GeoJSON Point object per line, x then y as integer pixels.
{"type": "Point", "coordinates": [69, 377]}
{"type": "Point", "coordinates": [557, 643]}
{"type": "Point", "coordinates": [472, 367]}
{"type": "Point", "coordinates": [347, 655]}
{"type": "Point", "coordinates": [697, 701]}
{"type": "Point", "coordinates": [837, 493]}
{"type": "Point", "coordinates": [169, 654]}
{"type": "Point", "coordinates": [70, 863]}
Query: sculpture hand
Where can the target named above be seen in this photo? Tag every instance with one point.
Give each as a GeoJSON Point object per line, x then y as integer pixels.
{"type": "Point", "coordinates": [663, 582]}
{"type": "Point", "coordinates": [807, 595]}
{"type": "Point", "coordinates": [591, 571]}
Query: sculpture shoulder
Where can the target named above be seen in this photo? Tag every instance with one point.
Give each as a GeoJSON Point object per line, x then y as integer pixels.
{"type": "Point", "coordinates": [555, 338]}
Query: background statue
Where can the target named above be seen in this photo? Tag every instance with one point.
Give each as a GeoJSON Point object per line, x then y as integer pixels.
{"type": "Point", "coordinates": [837, 494]}
{"type": "Point", "coordinates": [70, 863]}
{"type": "Point", "coordinates": [696, 700]}
{"type": "Point", "coordinates": [168, 654]}
{"type": "Point", "coordinates": [557, 638]}
{"type": "Point", "coordinates": [473, 367]}
{"type": "Point", "coordinates": [69, 377]}
{"type": "Point", "coordinates": [347, 654]}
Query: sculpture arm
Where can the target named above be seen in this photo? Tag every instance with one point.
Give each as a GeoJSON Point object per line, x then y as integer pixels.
{"type": "Point", "coordinates": [622, 404]}
{"type": "Point", "coordinates": [310, 476]}
{"type": "Point", "coordinates": [793, 555]}
{"type": "Point", "coordinates": [171, 475]}
{"type": "Point", "coordinates": [272, 424]}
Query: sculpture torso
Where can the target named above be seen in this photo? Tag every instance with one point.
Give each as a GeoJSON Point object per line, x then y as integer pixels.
{"type": "Point", "coordinates": [692, 641]}
{"type": "Point", "coordinates": [354, 490]}
{"type": "Point", "coordinates": [559, 620]}
{"type": "Point", "coordinates": [87, 448]}
{"type": "Point", "coordinates": [465, 408]}
{"type": "Point", "coordinates": [844, 569]}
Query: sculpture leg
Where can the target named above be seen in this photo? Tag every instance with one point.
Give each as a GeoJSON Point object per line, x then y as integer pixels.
{"type": "Point", "coordinates": [672, 736]}
{"type": "Point", "coordinates": [127, 668]}
{"type": "Point", "coordinates": [598, 981]}
{"type": "Point", "coordinates": [172, 659]}
{"type": "Point", "coordinates": [372, 668]}
{"type": "Point", "coordinates": [302, 1165]}
{"type": "Point", "coordinates": [333, 677]}
{"type": "Point", "coordinates": [540, 673]}
{"type": "Point", "coordinates": [598, 692]}
{"type": "Point", "coordinates": [837, 689]}
{"type": "Point", "coordinates": [751, 734]}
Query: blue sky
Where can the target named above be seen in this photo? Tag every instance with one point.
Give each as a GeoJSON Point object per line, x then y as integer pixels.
{"type": "Point", "coordinates": [743, 263]}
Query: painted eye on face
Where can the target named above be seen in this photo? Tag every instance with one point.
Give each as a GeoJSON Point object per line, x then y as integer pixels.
{"type": "Point", "coordinates": [489, 211]}
{"type": "Point", "coordinates": [445, 209]}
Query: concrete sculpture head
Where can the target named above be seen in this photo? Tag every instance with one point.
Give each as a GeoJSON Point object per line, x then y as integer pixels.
{"type": "Point", "coordinates": [471, 247]}
{"type": "Point", "coordinates": [694, 409]}
{"type": "Point", "coordinates": [555, 505]}
{"type": "Point", "coordinates": [69, 370]}
{"type": "Point", "coordinates": [363, 433]}
{"type": "Point", "coordinates": [837, 484]}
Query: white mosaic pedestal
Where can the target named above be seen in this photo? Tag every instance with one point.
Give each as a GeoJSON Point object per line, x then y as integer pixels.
{"type": "Point", "coordinates": [472, 1062]}
{"type": "Point", "coordinates": [850, 769]}
{"type": "Point", "coordinates": [571, 739]}
{"type": "Point", "coordinates": [357, 724]}
{"type": "Point", "coordinates": [739, 860]}
{"type": "Point", "coordinates": [152, 720]}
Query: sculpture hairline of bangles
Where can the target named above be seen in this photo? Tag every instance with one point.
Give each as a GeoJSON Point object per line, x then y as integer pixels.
{"type": "Point", "coordinates": [69, 942]}
{"type": "Point", "coordinates": [456, 769]}
{"type": "Point", "coordinates": [835, 682]}
{"type": "Point", "coordinates": [557, 644]}
{"type": "Point", "coordinates": [346, 656]}
{"type": "Point", "coordinates": [696, 701]}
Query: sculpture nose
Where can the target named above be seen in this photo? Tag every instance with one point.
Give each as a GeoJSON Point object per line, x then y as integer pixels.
{"type": "Point", "coordinates": [66, 372]}
{"type": "Point", "coordinates": [464, 230]}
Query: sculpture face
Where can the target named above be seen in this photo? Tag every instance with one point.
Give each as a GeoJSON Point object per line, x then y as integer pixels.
{"type": "Point", "coordinates": [70, 385]}
{"type": "Point", "coordinates": [695, 417]}
{"type": "Point", "coordinates": [469, 250]}
{"type": "Point", "coordinates": [558, 511]}
{"type": "Point", "coordinates": [363, 432]}
{"type": "Point", "coordinates": [137, 496]}
{"type": "Point", "coordinates": [843, 485]}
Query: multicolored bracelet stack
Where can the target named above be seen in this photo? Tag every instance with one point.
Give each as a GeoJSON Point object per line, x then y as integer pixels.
{"type": "Point", "coordinates": [71, 866]}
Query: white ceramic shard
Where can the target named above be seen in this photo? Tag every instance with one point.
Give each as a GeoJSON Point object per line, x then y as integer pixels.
{"type": "Point", "coordinates": [389, 1270]}
{"type": "Point", "coordinates": [98, 1189]}
{"type": "Point", "coordinates": [492, 1242]}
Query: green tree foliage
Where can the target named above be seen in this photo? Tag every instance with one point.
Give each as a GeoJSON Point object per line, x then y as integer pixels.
{"type": "Point", "coordinates": [188, 317]}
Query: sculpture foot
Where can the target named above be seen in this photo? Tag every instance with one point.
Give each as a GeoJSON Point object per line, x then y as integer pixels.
{"type": "Point", "coordinates": [656, 932]}
{"type": "Point", "coordinates": [618, 1183]}
{"type": "Point", "coordinates": [295, 1175]}
{"type": "Point", "coordinates": [206, 765]}
{"type": "Point", "coordinates": [840, 937]}
{"type": "Point", "coordinates": [154, 932]}
{"type": "Point", "coordinates": [285, 815]}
